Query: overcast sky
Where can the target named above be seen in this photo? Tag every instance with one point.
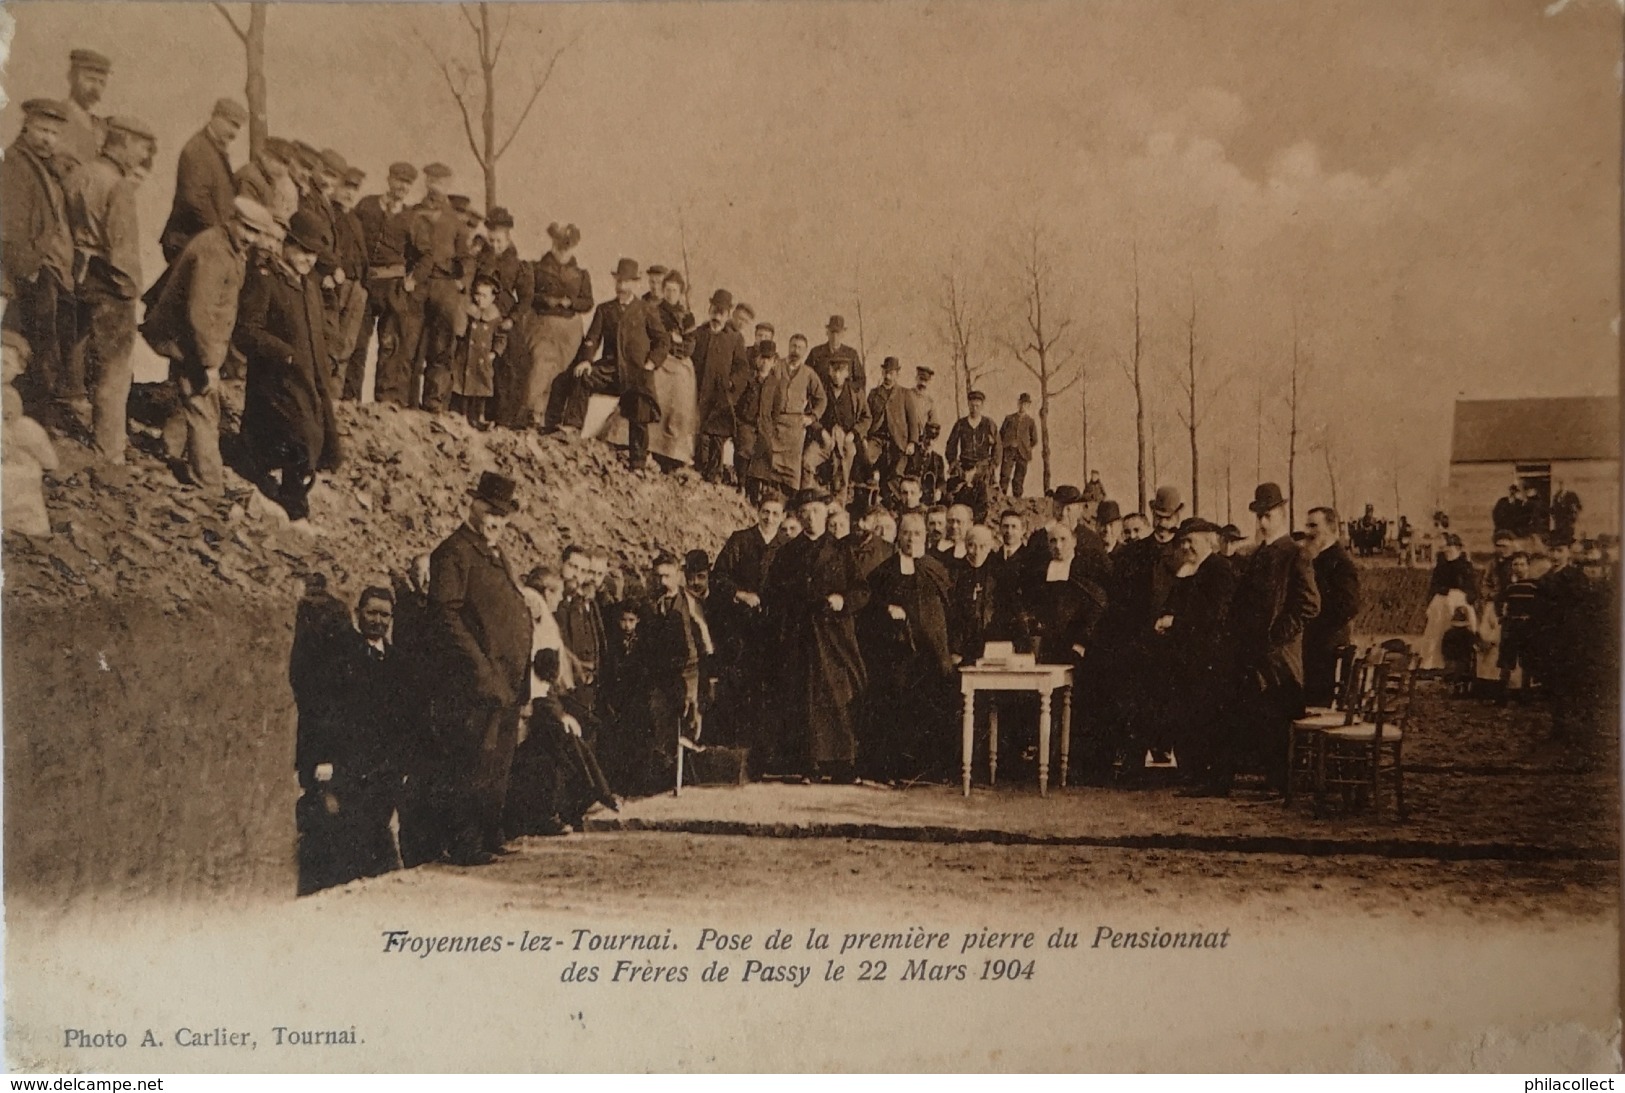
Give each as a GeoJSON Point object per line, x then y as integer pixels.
{"type": "Point", "coordinates": [1432, 188]}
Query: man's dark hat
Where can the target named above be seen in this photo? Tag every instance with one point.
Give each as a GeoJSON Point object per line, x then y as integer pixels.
{"type": "Point", "coordinates": [657, 270]}
{"type": "Point", "coordinates": [722, 300]}
{"type": "Point", "coordinates": [90, 60]}
{"type": "Point", "coordinates": [766, 349]}
{"type": "Point", "coordinates": [1553, 540]}
{"type": "Point", "coordinates": [333, 162]}
{"type": "Point", "coordinates": [1067, 495]}
{"type": "Point", "coordinates": [696, 561]}
{"type": "Point", "coordinates": [46, 108]}
{"type": "Point", "coordinates": [627, 270]}
{"type": "Point", "coordinates": [308, 154]}
{"type": "Point", "coordinates": [1106, 512]}
{"type": "Point", "coordinates": [567, 236]}
{"type": "Point", "coordinates": [499, 218]}
{"type": "Point", "coordinates": [1267, 498]}
{"type": "Point", "coordinates": [1502, 536]}
{"type": "Point", "coordinates": [1167, 501]}
{"type": "Point", "coordinates": [976, 396]}
{"type": "Point", "coordinates": [1196, 524]}
{"type": "Point", "coordinates": [924, 371]}
{"type": "Point", "coordinates": [403, 171]}
{"type": "Point", "coordinates": [810, 495]}
{"type": "Point", "coordinates": [1230, 533]}
{"type": "Point", "coordinates": [1024, 397]}
{"type": "Point", "coordinates": [307, 230]}
{"type": "Point", "coordinates": [436, 170]}
{"type": "Point", "coordinates": [355, 176]}
{"type": "Point", "coordinates": [496, 490]}
{"type": "Point", "coordinates": [891, 364]}
{"type": "Point", "coordinates": [836, 325]}
{"type": "Point", "coordinates": [460, 202]}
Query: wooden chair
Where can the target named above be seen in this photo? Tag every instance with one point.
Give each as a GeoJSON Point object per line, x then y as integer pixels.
{"type": "Point", "coordinates": [1302, 745]}
{"type": "Point", "coordinates": [1359, 757]}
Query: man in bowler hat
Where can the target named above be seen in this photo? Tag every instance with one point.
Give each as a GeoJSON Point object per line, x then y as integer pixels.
{"type": "Point", "coordinates": [484, 637]}
{"type": "Point", "coordinates": [1275, 596]}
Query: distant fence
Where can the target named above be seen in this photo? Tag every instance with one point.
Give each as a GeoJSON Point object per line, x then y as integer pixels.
{"type": "Point", "coordinates": [148, 753]}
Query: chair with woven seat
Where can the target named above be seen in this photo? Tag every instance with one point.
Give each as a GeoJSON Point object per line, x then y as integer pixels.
{"type": "Point", "coordinates": [1358, 758]}
{"type": "Point", "coordinates": [1302, 751]}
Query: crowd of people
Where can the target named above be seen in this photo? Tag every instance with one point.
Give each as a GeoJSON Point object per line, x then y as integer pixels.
{"type": "Point", "coordinates": [465, 704]}
{"type": "Point", "coordinates": [820, 644]}
{"type": "Point", "coordinates": [281, 272]}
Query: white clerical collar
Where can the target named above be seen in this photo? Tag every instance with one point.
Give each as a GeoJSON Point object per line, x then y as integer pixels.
{"type": "Point", "coordinates": [766, 537]}
{"type": "Point", "coordinates": [905, 563]}
{"type": "Point", "coordinates": [378, 644]}
{"type": "Point", "coordinates": [1059, 570]}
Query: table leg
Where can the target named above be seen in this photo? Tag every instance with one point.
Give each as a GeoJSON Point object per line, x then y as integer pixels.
{"type": "Point", "coordinates": [1043, 743]}
{"type": "Point", "coordinates": [993, 739]}
{"type": "Point", "coordinates": [967, 730]}
{"type": "Point", "coordinates": [1066, 731]}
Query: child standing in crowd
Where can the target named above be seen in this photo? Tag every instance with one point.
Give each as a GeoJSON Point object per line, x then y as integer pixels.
{"type": "Point", "coordinates": [1459, 646]}
{"type": "Point", "coordinates": [479, 345]}
{"type": "Point", "coordinates": [1515, 604]}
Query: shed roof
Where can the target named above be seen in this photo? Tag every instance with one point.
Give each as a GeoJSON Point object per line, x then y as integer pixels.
{"type": "Point", "coordinates": [1535, 429]}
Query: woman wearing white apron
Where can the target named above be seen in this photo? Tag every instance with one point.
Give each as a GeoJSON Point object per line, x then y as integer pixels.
{"type": "Point", "coordinates": [1454, 584]}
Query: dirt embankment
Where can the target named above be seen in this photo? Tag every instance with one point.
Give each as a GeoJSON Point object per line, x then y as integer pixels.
{"type": "Point", "coordinates": [403, 487]}
{"type": "Point", "coordinates": [149, 721]}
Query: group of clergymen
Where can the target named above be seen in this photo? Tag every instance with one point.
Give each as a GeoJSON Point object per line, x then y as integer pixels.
{"type": "Point", "coordinates": [477, 705]}
{"type": "Point", "coordinates": [281, 272]}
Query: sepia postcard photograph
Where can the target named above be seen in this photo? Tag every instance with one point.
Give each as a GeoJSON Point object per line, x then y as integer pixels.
{"type": "Point", "coordinates": [811, 536]}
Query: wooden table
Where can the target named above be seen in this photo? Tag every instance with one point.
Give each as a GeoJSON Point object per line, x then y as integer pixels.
{"type": "Point", "coordinates": [1044, 679]}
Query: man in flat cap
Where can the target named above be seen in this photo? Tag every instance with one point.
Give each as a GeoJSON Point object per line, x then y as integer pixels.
{"type": "Point", "coordinates": [878, 451]}
{"type": "Point", "coordinates": [84, 132]}
{"type": "Point", "coordinates": [268, 179]}
{"type": "Point", "coordinates": [973, 448]}
{"type": "Point", "coordinates": [386, 222]}
{"type": "Point", "coordinates": [349, 292]}
{"type": "Point", "coordinates": [435, 252]}
{"type": "Point", "coordinates": [911, 419]}
{"type": "Point", "coordinates": [793, 400]}
{"type": "Point", "coordinates": [107, 257]}
{"type": "Point", "coordinates": [36, 249]}
{"type": "Point", "coordinates": [820, 356]}
{"type": "Point", "coordinates": [721, 371]}
{"type": "Point", "coordinates": [204, 186]}
{"type": "Point", "coordinates": [191, 323]}
{"type": "Point", "coordinates": [1018, 435]}
{"type": "Point", "coordinates": [657, 283]}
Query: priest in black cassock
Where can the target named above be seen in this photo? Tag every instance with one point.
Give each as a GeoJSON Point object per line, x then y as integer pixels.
{"type": "Point", "coordinates": [813, 593]}
{"type": "Point", "coordinates": [739, 625]}
{"type": "Point", "coordinates": [908, 728]}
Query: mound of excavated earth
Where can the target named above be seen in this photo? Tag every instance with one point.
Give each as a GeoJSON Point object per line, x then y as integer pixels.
{"type": "Point", "coordinates": [403, 487]}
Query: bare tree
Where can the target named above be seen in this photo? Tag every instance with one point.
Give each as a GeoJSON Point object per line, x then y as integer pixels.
{"type": "Point", "coordinates": [960, 325]}
{"type": "Point", "coordinates": [1294, 400]}
{"type": "Point", "coordinates": [1133, 368]}
{"type": "Point", "coordinates": [253, 38]}
{"type": "Point", "coordinates": [489, 42]}
{"type": "Point", "coordinates": [1398, 507]}
{"type": "Point", "coordinates": [1042, 345]}
{"type": "Point", "coordinates": [1194, 411]}
{"type": "Point", "coordinates": [1328, 450]}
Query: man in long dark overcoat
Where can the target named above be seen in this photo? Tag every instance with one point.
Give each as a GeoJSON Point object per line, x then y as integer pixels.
{"type": "Point", "coordinates": [813, 593]}
{"type": "Point", "coordinates": [1275, 596]}
{"type": "Point", "coordinates": [483, 630]}
{"type": "Point", "coordinates": [739, 625]}
{"type": "Point", "coordinates": [288, 426]}
{"type": "Point", "coordinates": [1338, 579]}
{"type": "Point", "coordinates": [721, 371]}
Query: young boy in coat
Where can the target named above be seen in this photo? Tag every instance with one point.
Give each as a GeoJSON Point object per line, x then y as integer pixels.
{"type": "Point", "coordinates": [480, 344]}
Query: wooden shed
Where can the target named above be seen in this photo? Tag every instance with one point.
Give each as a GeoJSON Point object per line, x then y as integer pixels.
{"type": "Point", "coordinates": [1542, 444]}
